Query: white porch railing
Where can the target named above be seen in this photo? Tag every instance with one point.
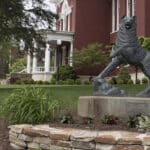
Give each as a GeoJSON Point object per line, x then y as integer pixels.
{"type": "Point", "coordinates": [42, 69]}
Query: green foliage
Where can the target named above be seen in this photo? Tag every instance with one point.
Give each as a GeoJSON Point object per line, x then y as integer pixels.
{"type": "Point", "coordinates": [53, 81]}
{"type": "Point", "coordinates": [120, 81]}
{"type": "Point", "coordinates": [67, 119]}
{"type": "Point", "coordinates": [5, 47]}
{"type": "Point", "coordinates": [132, 121]}
{"type": "Point", "coordinates": [70, 81]}
{"type": "Point", "coordinates": [145, 42]}
{"type": "Point", "coordinates": [130, 81]}
{"type": "Point", "coordinates": [19, 65]}
{"type": "Point", "coordinates": [144, 80]}
{"type": "Point", "coordinates": [110, 119]}
{"type": "Point", "coordinates": [113, 81]}
{"type": "Point", "coordinates": [124, 74]}
{"type": "Point", "coordinates": [78, 81]}
{"type": "Point", "coordinates": [144, 122]}
{"type": "Point", "coordinates": [86, 82]}
{"type": "Point", "coordinates": [137, 81]}
{"type": "Point", "coordinates": [91, 55]}
{"type": "Point", "coordinates": [17, 21]}
{"type": "Point", "coordinates": [30, 105]}
{"type": "Point", "coordinates": [61, 82]}
{"type": "Point", "coordinates": [66, 72]}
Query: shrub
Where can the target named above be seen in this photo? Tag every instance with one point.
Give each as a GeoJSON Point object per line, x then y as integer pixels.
{"type": "Point", "coordinates": [30, 105]}
{"type": "Point", "coordinates": [66, 72]}
{"type": "Point", "coordinates": [78, 82]}
{"type": "Point", "coordinates": [144, 80]}
{"type": "Point", "coordinates": [144, 122]}
{"type": "Point", "coordinates": [130, 81]}
{"type": "Point", "coordinates": [112, 81]}
{"type": "Point", "coordinates": [137, 81]}
{"type": "Point", "coordinates": [60, 82]}
{"type": "Point", "coordinates": [70, 81]}
{"type": "Point", "coordinates": [110, 119]}
{"type": "Point", "coordinates": [39, 82]}
{"type": "Point", "coordinates": [46, 82]}
{"type": "Point", "coordinates": [132, 121]}
{"type": "Point", "coordinates": [53, 81]}
{"type": "Point", "coordinates": [120, 81]}
{"type": "Point", "coordinates": [86, 82]}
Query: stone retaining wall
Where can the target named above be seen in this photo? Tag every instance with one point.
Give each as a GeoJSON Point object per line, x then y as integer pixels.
{"type": "Point", "coordinates": [43, 137]}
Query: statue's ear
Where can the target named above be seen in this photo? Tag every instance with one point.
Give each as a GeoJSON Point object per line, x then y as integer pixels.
{"type": "Point", "coordinates": [123, 16]}
{"type": "Point", "coordinates": [134, 17]}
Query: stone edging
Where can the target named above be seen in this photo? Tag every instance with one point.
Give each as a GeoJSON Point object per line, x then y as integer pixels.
{"type": "Point", "coordinates": [50, 138]}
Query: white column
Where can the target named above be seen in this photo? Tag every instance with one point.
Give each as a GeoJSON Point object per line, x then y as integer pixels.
{"type": "Point", "coordinates": [71, 54]}
{"type": "Point", "coordinates": [133, 7]}
{"type": "Point", "coordinates": [113, 15]}
{"type": "Point", "coordinates": [64, 23]}
{"type": "Point", "coordinates": [128, 7]}
{"type": "Point", "coordinates": [69, 23]}
{"type": "Point", "coordinates": [47, 58]}
{"type": "Point", "coordinates": [34, 64]}
{"type": "Point", "coordinates": [118, 13]}
{"type": "Point", "coordinates": [28, 61]}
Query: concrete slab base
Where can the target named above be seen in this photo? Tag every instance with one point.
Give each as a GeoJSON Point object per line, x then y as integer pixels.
{"type": "Point", "coordinates": [92, 106]}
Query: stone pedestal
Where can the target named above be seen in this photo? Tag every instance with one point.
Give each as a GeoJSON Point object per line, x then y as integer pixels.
{"type": "Point", "coordinates": [92, 106]}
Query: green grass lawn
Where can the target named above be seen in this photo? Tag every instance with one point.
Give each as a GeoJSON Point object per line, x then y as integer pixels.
{"type": "Point", "coordinates": [68, 95]}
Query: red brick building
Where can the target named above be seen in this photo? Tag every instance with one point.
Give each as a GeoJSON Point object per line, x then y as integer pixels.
{"type": "Point", "coordinates": [82, 22]}
{"type": "Point", "coordinates": [98, 20]}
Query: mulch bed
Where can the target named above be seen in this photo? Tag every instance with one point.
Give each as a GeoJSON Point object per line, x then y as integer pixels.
{"type": "Point", "coordinates": [4, 142]}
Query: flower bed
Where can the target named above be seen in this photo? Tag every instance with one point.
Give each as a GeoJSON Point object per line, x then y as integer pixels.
{"type": "Point", "coordinates": [43, 137]}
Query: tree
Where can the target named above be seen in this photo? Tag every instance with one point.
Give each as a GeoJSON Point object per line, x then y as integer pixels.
{"type": "Point", "coordinates": [19, 22]}
{"type": "Point", "coordinates": [4, 58]}
{"type": "Point", "coordinates": [91, 55]}
{"type": "Point", "coordinates": [19, 65]}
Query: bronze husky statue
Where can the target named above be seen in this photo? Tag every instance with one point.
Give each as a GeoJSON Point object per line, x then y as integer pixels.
{"type": "Point", "coordinates": [127, 49]}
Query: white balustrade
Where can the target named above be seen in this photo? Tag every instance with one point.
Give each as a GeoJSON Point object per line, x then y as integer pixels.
{"type": "Point", "coordinates": [42, 70]}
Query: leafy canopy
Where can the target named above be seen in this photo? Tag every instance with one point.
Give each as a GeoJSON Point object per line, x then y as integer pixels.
{"type": "Point", "coordinates": [91, 55]}
{"type": "Point", "coordinates": [17, 21]}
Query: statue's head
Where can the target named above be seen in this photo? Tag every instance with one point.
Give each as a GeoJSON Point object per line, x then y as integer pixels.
{"type": "Point", "coordinates": [128, 23]}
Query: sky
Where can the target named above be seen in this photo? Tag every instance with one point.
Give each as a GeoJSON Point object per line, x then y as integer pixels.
{"type": "Point", "coordinates": [49, 5]}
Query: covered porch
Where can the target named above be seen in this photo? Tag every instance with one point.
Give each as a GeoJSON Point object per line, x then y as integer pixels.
{"type": "Point", "coordinates": [58, 51]}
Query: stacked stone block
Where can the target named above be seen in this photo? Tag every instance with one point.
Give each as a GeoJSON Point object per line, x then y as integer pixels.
{"type": "Point", "coordinates": [43, 137]}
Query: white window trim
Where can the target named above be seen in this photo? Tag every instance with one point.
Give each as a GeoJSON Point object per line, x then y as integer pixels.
{"type": "Point", "coordinates": [130, 12]}
{"type": "Point", "coordinates": [115, 19]}
{"type": "Point", "coordinates": [133, 7]}
{"type": "Point", "coordinates": [113, 15]}
{"type": "Point", "coordinates": [118, 13]}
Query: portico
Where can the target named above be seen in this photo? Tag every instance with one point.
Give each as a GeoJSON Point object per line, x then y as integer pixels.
{"type": "Point", "coordinates": [58, 51]}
